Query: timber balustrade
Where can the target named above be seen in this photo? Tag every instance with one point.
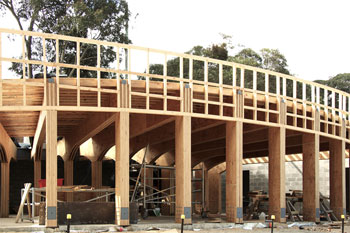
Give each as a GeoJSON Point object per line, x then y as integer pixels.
{"type": "Point", "coordinates": [199, 87]}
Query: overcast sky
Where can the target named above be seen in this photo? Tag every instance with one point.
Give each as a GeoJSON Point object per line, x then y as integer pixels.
{"type": "Point", "coordinates": [313, 35]}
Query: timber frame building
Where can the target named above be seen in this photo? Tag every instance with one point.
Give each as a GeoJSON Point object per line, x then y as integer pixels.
{"type": "Point", "coordinates": [247, 113]}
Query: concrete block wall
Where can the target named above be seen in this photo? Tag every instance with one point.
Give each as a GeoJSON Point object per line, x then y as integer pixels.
{"type": "Point", "coordinates": [294, 179]}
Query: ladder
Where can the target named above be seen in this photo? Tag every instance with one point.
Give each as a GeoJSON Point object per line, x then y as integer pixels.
{"type": "Point", "coordinates": [25, 198]}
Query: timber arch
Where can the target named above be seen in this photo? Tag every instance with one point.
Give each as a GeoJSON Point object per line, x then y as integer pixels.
{"type": "Point", "coordinates": [247, 113]}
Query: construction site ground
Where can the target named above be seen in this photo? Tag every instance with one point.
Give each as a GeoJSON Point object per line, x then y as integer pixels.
{"type": "Point", "coordinates": [166, 224]}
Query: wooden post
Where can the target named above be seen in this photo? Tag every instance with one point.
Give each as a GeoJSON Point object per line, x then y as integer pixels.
{"type": "Point", "coordinates": [183, 168]}
{"type": "Point", "coordinates": [311, 155]}
{"type": "Point", "coordinates": [96, 174]}
{"type": "Point", "coordinates": [206, 188]}
{"type": "Point", "coordinates": [96, 177]}
{"type": "Point", "coordinates": [337, 175]}
{"type": "Point", "coordinates": [68, 177]}
{"type": "Point", "coordinates": [51, 158]}
{"type": "Point", "coordinates": [214, 192]}
{"type": "Point", "coordinates": [277, 150]}
{"type": "Point", "coordinates": [234, 186]}
{"type": "Point", "coordinates": [311, 192]}
{"type": "Point", "coordinates": [5, 190]}
{"type": "Point", "coordinates": [122, 168]}
{"type": "Point", "coordinates": [234, 156]}
{"type": "Point", "coordinates": [37, 177]}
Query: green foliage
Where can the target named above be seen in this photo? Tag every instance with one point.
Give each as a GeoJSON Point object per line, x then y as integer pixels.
{"type": "Point", "coordinates": [340, 82]}
{"type": "Point", "coordinates": [101, 20]}
{"type": "Point", "coordinates": [270, 59]}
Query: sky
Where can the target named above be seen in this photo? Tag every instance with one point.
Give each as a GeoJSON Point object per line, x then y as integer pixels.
{"type": "Point", "coordinates": [314, 36]}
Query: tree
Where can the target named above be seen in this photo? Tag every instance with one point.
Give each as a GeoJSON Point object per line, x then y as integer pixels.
{"type": "Point", "coordinates": [272, 59]}
{"type": "Point", "coordinates": [101, 20]}
{"type": "Point", "coordinates": [340, 82]}
{"type": "Point", "coordinates": [249, 57]}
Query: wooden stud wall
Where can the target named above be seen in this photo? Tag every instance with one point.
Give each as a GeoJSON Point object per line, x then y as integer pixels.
{"type": "Point", "coordinates": [331, 112]}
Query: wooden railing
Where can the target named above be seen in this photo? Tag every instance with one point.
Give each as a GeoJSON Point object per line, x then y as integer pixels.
{"type": "Point", "coordinates": [212, 91]}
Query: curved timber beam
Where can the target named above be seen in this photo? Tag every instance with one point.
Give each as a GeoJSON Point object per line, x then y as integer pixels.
{"type": "Point", "coordinates": [69, 145]}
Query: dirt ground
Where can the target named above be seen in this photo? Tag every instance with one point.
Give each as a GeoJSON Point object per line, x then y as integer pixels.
{"type": "Point", "coordinates": [255, 230]}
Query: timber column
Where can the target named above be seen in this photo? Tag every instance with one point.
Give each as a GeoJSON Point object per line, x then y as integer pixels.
{"type": "Point", "coordinates": [183, 161]}
{"type": "Point", "coordinates": [51, 157]}
{"type": "Point", "coordinates": [122, 160]}
{"type": "Point", "coordinates": [277, 151]}
{"type": "Point", "coordinates": [68, 177]}
{"type": "Point", "coordinates": [337, 174]}
{"type": "Point", "coordinates": [234, 156]}
{"type": "Point", "coordinates": [311, 155]}
{"type": "Point", "coordinates": [5, 189]}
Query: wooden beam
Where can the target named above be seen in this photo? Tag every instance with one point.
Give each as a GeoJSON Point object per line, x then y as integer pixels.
{"type": "Point", "coordinates": [7, 144]}
{"type": "Point", "coordinates": [183, 169]}
{"type": "Point", "coordinates": [51, 159]}
{"type": "Point", "coordinates": [234, 182]}
{"type": "Point", "coordinates": [140, 124]}
{"type": "Point", "coordinates": [39, 136]}
{"type": "Point", "coordinates": [5, 190]}
{"type": "Point", "coordinates": [122, 168]}
{"type": "Point", "coordinates": [94, 124]}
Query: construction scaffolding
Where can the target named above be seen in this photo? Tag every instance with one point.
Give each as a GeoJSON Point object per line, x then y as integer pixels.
{"type": "Point", "coordinates": [150, 197]}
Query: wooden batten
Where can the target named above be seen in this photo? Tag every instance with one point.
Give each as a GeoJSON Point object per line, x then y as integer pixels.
{"type": "Point", "coordinates": [183, 169]}
{"type": "Point", "coordinates": [122, 168]}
